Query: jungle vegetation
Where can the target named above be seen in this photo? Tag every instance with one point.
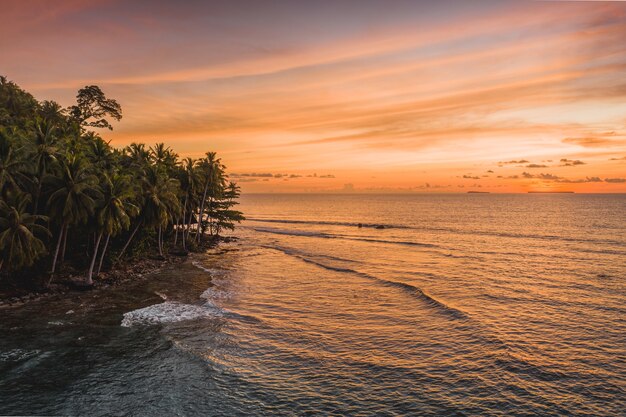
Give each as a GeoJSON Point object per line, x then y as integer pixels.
{"type": "Point", "coordinates": [70, 198]}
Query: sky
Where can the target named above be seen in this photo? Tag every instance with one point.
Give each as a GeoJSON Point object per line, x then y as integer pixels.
{"type": "Point", "coordinates": [348, 96]}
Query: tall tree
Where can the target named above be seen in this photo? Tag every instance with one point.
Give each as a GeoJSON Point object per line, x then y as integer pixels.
{"type": "Point", "coordinates": [73, 197]}
{"type": "Point", "coordinates": [92, 107]}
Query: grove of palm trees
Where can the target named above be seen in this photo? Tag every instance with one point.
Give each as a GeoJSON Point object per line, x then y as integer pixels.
{"type": "Point", "coordinates": [70, 201]}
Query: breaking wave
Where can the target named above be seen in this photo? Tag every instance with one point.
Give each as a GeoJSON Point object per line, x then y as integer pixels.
{"type": "Point", "coordinates": [411, 289]}
{"type": "Point", "coordinates": [169, 312]}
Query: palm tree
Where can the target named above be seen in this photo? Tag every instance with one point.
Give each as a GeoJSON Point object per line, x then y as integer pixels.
{"type": "Point", "coordinates": [114, 215]}
{"type": "Point", "coordinates": [160, 201]}
{"type": "Point", "coordinates": [73, 198]}
{"type": "Point", "coordinates": [19, 245]}
{"type": "Point", "coordinates": [211, 171]}
{"type": "Point", "coordinates": [43, 152]}
{"type": "Point", "coordinates": [11, 167]}
{"type": "Point", "coordinates": [189, 180]}
{"type": "Point", "coordinates": [138, 155]}
{"type": "Point", "coordinates": [99, 152]}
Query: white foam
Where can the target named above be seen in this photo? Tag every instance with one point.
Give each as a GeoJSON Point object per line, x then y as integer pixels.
{"type": "Point", "coordinates": [212, 271]}
{"type": "Point", "coordinates": [214, 293]}
{"type": "Point", "coordinates": [17, 355]}
{"type": "Point", "coordinates": [169, 312]}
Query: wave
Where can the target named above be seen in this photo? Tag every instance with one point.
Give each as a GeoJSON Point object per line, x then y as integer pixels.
{"type": "Point", "coordinates": [332, 223]}
{"type": "Point", "coordinates": [332, 236]}
{"type": "Point", "coordinates": [212, 271]}
{"type": "Point", "coordinates": [512, 235]}
{"type": "Point", "coordinates": [213, 293]}
{"type": "Point", "coordinates": [410, 289]}
{"type": "Point", "coordinates": [169, 312]}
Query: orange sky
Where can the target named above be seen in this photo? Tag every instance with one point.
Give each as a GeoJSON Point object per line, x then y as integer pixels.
{"type": "Point", "coordinates": [500, 96]}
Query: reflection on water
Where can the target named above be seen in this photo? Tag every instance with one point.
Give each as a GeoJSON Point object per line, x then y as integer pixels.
{"type": "Point", "coordinates": [460, 305]}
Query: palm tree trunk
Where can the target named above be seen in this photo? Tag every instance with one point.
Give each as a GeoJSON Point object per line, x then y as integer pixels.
{"type": "Point", "coordinates": [93, 259]}
{"type": "Point", "coordinates": [104, 250]}
{"type": "Point", "coordinates": [56, 254]}
{"type": "Point", "coordinates": [189, 223]}
{"type": "Point", "coordinates": [176, 233]}
{"type": "Point", "coordinates": [206, 187]}
{"type": "Point", "coordinates": [128, 242]}
{"type": "Point", "coordinates": [64, 243]}
{"type": "Point", "coordinates": [159, 241]}
{"type": "Point", "coordinates": [37, 195]}
{"type": "Point", "coordinates": [184, 219]}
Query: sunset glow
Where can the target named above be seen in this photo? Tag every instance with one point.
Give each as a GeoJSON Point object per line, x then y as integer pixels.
{"type": "Point", "coordinates": [498, 96]}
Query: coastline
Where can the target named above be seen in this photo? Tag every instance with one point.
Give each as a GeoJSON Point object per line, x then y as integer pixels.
{"type": "Point", "coordinates": [67, 283]}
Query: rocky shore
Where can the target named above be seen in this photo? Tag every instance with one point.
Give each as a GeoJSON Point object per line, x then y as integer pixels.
{"type": "Point", "coordinates": [67, 282]}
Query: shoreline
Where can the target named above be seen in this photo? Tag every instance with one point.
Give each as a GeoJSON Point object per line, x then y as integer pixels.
{"type": "Point", "coordinates": [68, 283]}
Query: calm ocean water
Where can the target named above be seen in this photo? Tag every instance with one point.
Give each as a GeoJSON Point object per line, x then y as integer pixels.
{"type": "Point", "coordinates": [461, 305]}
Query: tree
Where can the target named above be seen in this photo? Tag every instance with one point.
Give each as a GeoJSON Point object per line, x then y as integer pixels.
{"type": "Point", "coordinates": [73, 197]}
{"type": "Point", "coordinates": [11, 167]}
{"type": "Point", "coordinates": [117, 210]}
{"type": "Point", "coordinates": [160, 201]}
{"type": "Point", "coordinates": [89, 193]}
{"type": "Point", "coordinates": [19, 245]}
{"type": "Point", "coordinates": [189, 180]}
{"type": "Point", "coordinates": [225, 216]}
{"type": "Point", "coordinates": [43, 152]}
{"type": "Point", "coordinates": [91, 103]}
{"type": "Point", "coordinates": [211, 172]}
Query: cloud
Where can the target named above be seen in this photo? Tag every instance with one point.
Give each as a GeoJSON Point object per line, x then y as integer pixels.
{"type": "Point", "coordinates": [249, 177]}
{"type": "Point", "coordinates": [570, 163]}
{"type": "Point", "coordinates": [556, 178]}
{"type": "Point", "coordinates": [550, 177]}
{"type": "Point", "coordinates": [580, 181]}
{"type": "Point", "coordinates": [592, 142]}
{"type": "Point", "coordinates": [521, 161]}
{"type": "Point", "coordinates": [469, 177]}
{"type": "Point", "coordinates": [536, 166]}
{"type": "Point", "coordinates": [623, 158]}
{"type": "Point", "coordinates": [253, 174]}
{"type": "Point", "coordinates": [615, 180]}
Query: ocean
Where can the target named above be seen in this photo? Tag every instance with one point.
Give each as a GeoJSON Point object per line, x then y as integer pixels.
{"type": "Point", "coordinates": [350, 304]}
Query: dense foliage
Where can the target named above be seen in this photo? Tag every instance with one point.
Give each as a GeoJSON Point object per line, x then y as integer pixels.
{"type": "Point", "coordinates": [69, 198]}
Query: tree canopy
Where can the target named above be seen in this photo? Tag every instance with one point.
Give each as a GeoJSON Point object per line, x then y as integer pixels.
{"type": "Point", "coordinates": [63, 185]}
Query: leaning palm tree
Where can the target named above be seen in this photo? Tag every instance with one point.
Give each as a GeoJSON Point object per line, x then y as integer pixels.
{"type": "Point", "coordinates": [114, 215]}
{"type": "Point", "coordinates": [73, 198]}
{"type": "Point", "coordinates": [19, 245]}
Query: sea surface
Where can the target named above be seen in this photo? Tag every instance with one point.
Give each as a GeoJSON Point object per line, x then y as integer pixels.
{"type": "Point", "coordinates": [437, 305]}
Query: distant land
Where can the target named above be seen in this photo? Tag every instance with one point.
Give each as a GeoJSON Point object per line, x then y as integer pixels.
{"type": "Point", "coordinates": [478, 192]}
